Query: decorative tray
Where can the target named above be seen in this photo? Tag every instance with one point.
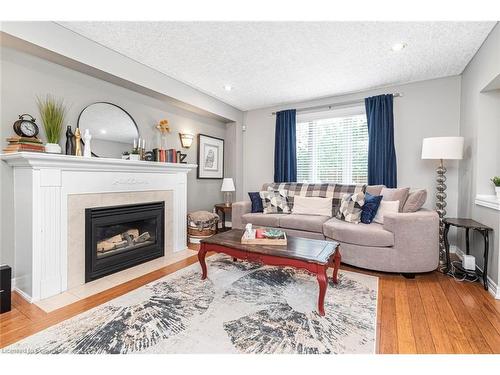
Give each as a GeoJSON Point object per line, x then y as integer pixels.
{"type": "Point", "coordinates": [263, 236]}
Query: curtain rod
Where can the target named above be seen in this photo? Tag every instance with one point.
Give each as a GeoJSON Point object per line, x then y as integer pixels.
{"type": "Point", "coordinates": [340, 104]}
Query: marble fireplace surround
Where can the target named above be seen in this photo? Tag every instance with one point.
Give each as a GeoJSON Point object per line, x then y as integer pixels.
{"type": "Point", "coordinates": [50, 189]}
{"type": "Point", "coordinates": [77, 204]}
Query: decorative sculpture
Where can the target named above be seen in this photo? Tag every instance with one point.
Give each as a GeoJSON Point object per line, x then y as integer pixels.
{"type": "Point", "coordinates": [78, 142]}
{"type": "Point", "coordinates": [70, 141]}
{"type": "Point", "coordinates": [87, 151]}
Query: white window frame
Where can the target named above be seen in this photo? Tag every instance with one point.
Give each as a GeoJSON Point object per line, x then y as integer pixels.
{"type": "Point", "coordinates": [311, 117]}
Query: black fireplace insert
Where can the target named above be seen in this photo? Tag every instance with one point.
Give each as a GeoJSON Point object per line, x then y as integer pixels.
{"type": "Point", "coordinates": [120, 237]}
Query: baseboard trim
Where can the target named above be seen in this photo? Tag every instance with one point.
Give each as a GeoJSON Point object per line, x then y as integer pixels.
{"type": "Point", "coordinates": [19, 291]}
{"type": "Point", "coordinates": [492, 287]}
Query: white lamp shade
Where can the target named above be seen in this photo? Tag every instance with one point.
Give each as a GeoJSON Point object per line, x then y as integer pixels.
{"type": "Point", "coordinates": [227, 185]}
{"type": "Point", "coordinates": [443, 148]}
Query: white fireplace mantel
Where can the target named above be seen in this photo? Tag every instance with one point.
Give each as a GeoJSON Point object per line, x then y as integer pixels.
{"type": "Point", "coordinates": [42, 184]}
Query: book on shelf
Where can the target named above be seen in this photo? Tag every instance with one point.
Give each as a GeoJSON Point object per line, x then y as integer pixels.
{"type": "Point", "coordinates": [23, 147]}
{"type": "Point", "coordinates": [167, 156]}
{"type": "Point", "coordinates": [24, 140]}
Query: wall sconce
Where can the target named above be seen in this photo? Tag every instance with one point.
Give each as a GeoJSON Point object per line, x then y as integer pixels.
{"type": "Point", "coordinates": [186, 139]}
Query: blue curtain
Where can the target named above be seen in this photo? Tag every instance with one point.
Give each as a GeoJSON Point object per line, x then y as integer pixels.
{"type": "Point", "coordinates": [285, 152]}
{"type": "Point", "coordinates": [382, 169]}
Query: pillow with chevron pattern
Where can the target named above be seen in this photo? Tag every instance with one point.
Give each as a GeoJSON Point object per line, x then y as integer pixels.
{"type": "Point", "coordinates": [274, 201]}
{"type": "Point", "coordinates": [351, 207]}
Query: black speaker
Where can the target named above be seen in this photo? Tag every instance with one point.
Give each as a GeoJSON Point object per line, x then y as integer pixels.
{"type": "Point", "coordinates": [5, 288]}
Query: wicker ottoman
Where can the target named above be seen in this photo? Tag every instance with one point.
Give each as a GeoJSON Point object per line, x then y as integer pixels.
{"type": "Point", "coordinates": [201, 224]}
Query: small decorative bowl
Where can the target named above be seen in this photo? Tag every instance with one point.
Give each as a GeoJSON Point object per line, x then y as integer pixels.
{"type": "Point", "coordinates": [273, 233]}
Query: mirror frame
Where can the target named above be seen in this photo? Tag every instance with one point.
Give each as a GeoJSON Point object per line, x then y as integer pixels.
{"type": "Point", "coordinates": [115, 105]}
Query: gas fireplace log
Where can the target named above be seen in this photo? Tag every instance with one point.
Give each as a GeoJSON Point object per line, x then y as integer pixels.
{"type": "Point", "coordinates": [104, 246]}
{"type": "Point", "coordinates": [142, 238]}
{"type": "Point", "coordinates": [120, 240]}
{"type": "Point", "coordinates": [128, 238]}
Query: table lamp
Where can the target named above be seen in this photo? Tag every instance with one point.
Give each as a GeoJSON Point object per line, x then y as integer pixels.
{"type": "Point", "coordinates": [442, 148]}
{"type": "Point", "coordinates": [228, 188]}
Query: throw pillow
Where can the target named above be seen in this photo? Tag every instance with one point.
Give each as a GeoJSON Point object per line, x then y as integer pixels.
{"type": "Point", "coordinates": [312, 206]}
{"type": "Point", "coordinates": [370, 208]}
{"type": "Point", "coordinates": [415, 200]}
{"type": "Point", "coordinates": [374, 189]}
{"type": "Point", "coordinates": [350, 207]}
{"type": "Point", "coordinates": [397, 194]}
{"type": "Point", "coordinates": [256, 202]}
{"type": "Point", "coordinates": [274, 202]}
{"type": "Point", "coordinates": [385, 208]}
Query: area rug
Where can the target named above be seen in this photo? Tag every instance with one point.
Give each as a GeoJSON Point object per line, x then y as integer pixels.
{"type": "Point", "coordinates": [241, 308]}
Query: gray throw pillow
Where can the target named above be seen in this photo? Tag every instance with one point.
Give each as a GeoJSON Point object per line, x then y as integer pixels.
{"type": "Point", "coordinates": [397, 194]}
{"type": "Point", "coordinates": [350, 207]}
{"type": "Point", "coordinates": [416, 199]}
{"type": "Point", "coordinates": [274, 201]}
{"type": "Point", "coordinates": [374, 189]}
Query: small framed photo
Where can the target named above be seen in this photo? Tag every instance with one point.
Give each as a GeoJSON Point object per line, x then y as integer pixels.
{"type": "Point", "coordinates": [210, 157]}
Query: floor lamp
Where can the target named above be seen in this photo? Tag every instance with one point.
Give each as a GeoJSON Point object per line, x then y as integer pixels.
{"type": "Point", "coordinates": [442, 148]}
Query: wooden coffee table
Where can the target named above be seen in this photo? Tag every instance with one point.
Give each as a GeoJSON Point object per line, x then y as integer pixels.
{"type": "Point", "coordinates": [314, 256]}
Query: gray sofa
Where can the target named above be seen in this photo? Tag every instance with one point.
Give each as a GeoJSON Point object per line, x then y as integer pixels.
{"type": "Point", "coordinates": [406, 243]}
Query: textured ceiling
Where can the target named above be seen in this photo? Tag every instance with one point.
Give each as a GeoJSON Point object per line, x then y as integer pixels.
{"type": "Point", "coordinates": [270, 63]}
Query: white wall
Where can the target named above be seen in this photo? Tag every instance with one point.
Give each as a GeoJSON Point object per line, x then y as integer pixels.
{"type": "Point", "coordinates": [25, 76]}
{"type": "Point", "coordinates": [427, 109]}
{"type": "Point", "coordinates": [480, 125]}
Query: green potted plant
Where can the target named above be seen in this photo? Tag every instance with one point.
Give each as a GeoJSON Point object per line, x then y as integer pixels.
{"type": "Point", "coordinates": [134, 154]}
{"type": "Point", "coordinates": [496, 182]}
{"type": "Point", "coordinates": [52, 113]}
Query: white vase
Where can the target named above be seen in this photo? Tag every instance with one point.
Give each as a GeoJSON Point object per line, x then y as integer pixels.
{"type": "Point", "coordinates": [497, 190]}
{"type": "Point", "coordinates": [52, 148]}
{"type": "Point", "coordinates": [135, 157]}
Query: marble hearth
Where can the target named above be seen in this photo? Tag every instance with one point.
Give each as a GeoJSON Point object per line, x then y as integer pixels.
{"type": "Point", "coordinates": [51, 194]}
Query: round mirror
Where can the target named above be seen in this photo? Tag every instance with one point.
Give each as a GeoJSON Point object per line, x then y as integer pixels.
{"type": "Point", "coordinates": [112, 128]}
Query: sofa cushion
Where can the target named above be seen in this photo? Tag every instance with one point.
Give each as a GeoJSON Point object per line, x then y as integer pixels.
{"type": "Point", "coordinates": [326, 190]}
{"type": "Point", "coordinates": [358, 234]}
{"type": "Point", "coordinates": [374, 189]}
{"type": "Point", "coordinates": [396, 194]}
{"type": "Point", "coordinates": [312, 206]}
{"type": "Point", "coordinates": [308, 223]}
{"type": "Point", "coordinates": [386, 207]}
{"type": "Point", "coordinates": [415, 200]}
{"type": "Point", "coordinates": [370, 208]}
{"type": "Point", "coordinates": [256, 202]}
{"type": "Point", "coordinates": [274, 201]}
{"type": "Point", "coordinates": [268, 220]}
{"type": "Point", "coordinates": [351, 207]}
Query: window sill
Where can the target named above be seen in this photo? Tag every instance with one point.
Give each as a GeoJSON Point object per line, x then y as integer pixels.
{"type": "Point", "coordinates": [490, 201]}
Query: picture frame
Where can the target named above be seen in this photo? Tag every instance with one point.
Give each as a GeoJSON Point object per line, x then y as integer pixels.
{"type": "Point", "coordinates": [210, 157]}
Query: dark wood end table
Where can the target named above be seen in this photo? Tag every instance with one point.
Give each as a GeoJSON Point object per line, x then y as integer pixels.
{"type": "Point", "coordinates": [467, 224]}
{"type": "Point", "coordinates": [315, 256]}
{"type": "Point", "coordinates": [223, 209]}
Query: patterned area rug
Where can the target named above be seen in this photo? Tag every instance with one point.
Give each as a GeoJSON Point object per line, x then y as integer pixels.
{"type": "Point", "coordinates": [240, 308]}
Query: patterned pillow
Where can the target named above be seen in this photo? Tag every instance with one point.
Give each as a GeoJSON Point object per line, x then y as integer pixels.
{"type": "Point", "coordinates": [274, 202]}
{"type": "Point", "coordinates": [350, 207]}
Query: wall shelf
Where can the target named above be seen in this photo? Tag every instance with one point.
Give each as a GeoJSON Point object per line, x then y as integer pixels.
{"type": "Point", "coordinates": [490, 201]}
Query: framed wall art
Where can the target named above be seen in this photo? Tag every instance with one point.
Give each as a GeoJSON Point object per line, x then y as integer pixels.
{"type": "Point", "coordinates": [210, 157]}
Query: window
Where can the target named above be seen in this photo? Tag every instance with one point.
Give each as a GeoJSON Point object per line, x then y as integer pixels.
{"type": "Point", "coordinates": [333, 147]}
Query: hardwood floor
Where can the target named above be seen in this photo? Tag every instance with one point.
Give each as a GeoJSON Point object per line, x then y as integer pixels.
{"type": "Point", "coordinates": [429, 314]}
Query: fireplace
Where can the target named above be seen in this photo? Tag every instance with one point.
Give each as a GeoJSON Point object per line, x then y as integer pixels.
{"type": "Point", "coordinates": [120, 237]}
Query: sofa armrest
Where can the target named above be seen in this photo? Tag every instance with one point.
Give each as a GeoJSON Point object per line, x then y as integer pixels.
{"type": "Point", "coordinates": [415, 232]}
{"type": "Point", "coordinates": [238, 210]}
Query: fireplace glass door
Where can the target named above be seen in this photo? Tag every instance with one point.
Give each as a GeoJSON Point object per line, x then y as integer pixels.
{"type": "Point", "coordinates": [120, 237]}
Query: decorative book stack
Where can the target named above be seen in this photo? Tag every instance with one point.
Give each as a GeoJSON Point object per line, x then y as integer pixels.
{"type": "Point", "coordinates": [168, 156]}
{"type": "Point", "coordinates": [18, 144]}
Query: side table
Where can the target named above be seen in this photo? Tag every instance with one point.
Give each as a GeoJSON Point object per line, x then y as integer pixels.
{"type": "Point", "coordinates": [223, 209]}
{"type": "Point", "coordinates": [468, 224]}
